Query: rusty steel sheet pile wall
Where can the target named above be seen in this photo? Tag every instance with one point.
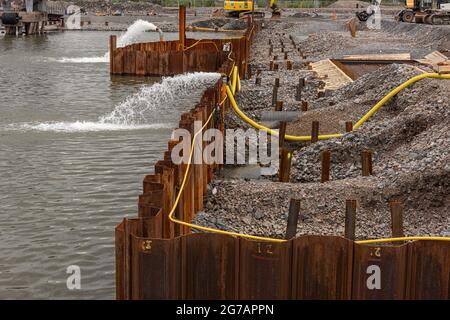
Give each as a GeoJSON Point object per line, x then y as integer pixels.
{"type": "Point", "coordinates": [168, 58]}
{"type": "Point", "coordinates": [214, 266]}
{"type": "Point", "coordinates": [157, 259]}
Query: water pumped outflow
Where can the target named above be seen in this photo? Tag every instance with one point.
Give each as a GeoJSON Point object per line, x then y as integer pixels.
{"type": "Point", "coordinates": [129, 37]}
{"type": "Point", "coordinates": [142, 110]}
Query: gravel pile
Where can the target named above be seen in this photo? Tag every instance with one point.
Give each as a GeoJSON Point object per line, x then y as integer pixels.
{"type": "Point", "coordinates": [411, 145]}
{"type": "Point", "coordinates": [400, 134]}
{"type": "Point", "coordinates": [409, 137]}
{"type": "Point", "coordinates": [353, 101]}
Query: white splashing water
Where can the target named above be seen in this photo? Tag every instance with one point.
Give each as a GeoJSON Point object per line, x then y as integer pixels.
{"type": "Point", "coordinates": [139, 108]}
{"type": "Point", "coordinates": [139, 111]}
{"type": "Point", "coordinates": [129, 37]}
{"type": "Point", "coordinates": [87, 126]}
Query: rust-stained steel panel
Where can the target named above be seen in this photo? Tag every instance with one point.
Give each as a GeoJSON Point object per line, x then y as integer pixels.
{"type": "Point", "coordinates": [428, 270]}
{"type": "Point", "coordinates": [321, 267]}
{"type": "Point", "coordinates": [118, 61]}
{"type": "Point", "coordinates": [153, 198]}
{"type": "Point", "coordinates": [264, 270]}
{"type": "Point", "coordinates": [391, 261]}
{"type": "Point", "coordinates": [120, 261]}
{"type": "Point", "coordinates": [141, 63]}
{"type": "Point", "coordinates": [176, 62]}
{"type": "Point", "coordinates": [209, 266]}
{"type": "Point", "coordinates": [129, 62]}
{"type": "Point", "coordinates": [189, 61]}
{"type": "Point", "coordinates": [164, 67]}
{"type": "Point", "coordinates": [156, 268]}
{"type": "Point", "coordinates": [152, 63]}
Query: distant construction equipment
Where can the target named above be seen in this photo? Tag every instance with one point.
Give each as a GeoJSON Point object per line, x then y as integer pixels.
{"type": "Point", "coordinates": [30, 16]}
{"type": "Point", "coordinates": [426, 11]}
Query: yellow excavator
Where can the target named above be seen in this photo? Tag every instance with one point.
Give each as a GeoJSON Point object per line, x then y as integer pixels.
{"type": "Point", "coordinates": [238, 8]}
{"type": "Point", "coordinates": [426, 11]}
{"type": "Point", "coordinates": [416, 11]}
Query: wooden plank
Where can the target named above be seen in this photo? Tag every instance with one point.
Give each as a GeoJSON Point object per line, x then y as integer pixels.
{"type": "Point", "coordinates": [379, 56]}
{"type": "Point", "coordinates": [435, 57]}
{"type": "Point", "coordinates": [265, 270]}
{"type": "Point", "coordinates": [322, 268]}
{"type": "Point", "coordinates": [386, 261]}
{"type": "Point", "coordinates": [332, 75]}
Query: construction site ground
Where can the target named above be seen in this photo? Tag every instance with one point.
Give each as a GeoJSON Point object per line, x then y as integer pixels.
{"type": "Point", "coordinates": [409, 136]}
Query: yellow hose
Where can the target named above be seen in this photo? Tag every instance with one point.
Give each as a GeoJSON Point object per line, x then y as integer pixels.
{"type": "Point", "coordinates": [177, 199]}
{"type": "Point", "coordinates": [402, 239]}
{"type": "Point", "coordinates": [191, 28]}
{"type": "Point", "coordinates": [395, 91]}
{"type": "Point", "coordinates": [369, 114]}
{"type": "Point", "coordinates": [270, 131]}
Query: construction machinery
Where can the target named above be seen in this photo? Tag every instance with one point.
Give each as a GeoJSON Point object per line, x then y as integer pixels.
{"type": "Point", "coordinates": [238, 8]}
{"type": "Point", "coordinates": [370, 10]}
{"type": "Point", "coordinates": [426, 11]}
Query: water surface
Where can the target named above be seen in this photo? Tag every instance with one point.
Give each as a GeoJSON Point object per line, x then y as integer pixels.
{"type": "Point", "coordinates": [66, 178]}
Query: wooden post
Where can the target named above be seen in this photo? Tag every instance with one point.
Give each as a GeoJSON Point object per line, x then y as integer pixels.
{"type": "Point", "coordinates": [275, 67]}
{"type": "Point", "coordinates": [326, 159]}
{"type": "Point", "coordinates": [301, 84]}
{"type": "Point", "coordinates": [277, 82]}
{"type": "Point", "coordinates": [396, 218]}
{"type": "Point", "coordinates": [112, 48]}
{"type": "Point", "coordinates": [352, 26]}
{"type": "Point", "coordinates": [285, 165]}
{"type": "Point", "coordinates": [258, 81]}
{"type": "Point", "coordinates": [348, 126]}
{"type": "Point", "coordinates": [304, 106]}
{"type": "Point", "coordinates": [350, 219]}
{"type": "Point", "coordinates": [315, 132]}
{"type": "Point", "coordinates": [289, 64]}
{"type": "Point", "coordinates": [294, 211]}
{"type": "Point", "coordinates": [279, 106]}
{"type": "Point", "coordinates": [182, 26]}
{"type": "Point", "coordinates": [281, 134]}
{"type": "Point", "coordinates": [366, 163]}
{"type": "Point", "coordinates": [274, 96]}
